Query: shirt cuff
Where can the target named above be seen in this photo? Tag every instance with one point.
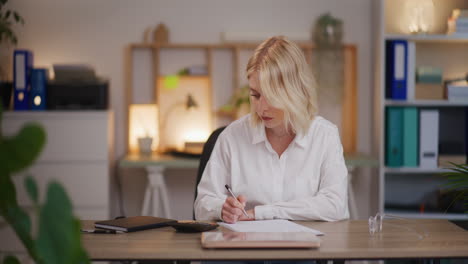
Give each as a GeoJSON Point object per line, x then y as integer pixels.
{"type": "Point", "coordinates": [219, 210]}
{"type": "Point", "coordinates": [265, 212]}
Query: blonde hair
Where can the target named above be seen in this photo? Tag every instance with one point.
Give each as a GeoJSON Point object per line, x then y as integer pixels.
{"type": "Point", "coordinates": [286, 81]}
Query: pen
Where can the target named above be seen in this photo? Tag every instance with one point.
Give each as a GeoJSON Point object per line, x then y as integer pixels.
{"type": "Point", "coordinates": [232, 194]}
{"type": "Point", "coordinates": [98, 231]}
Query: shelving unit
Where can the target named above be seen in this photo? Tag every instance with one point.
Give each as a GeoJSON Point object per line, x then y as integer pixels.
{"type": "Point", "coordinates": [449, 52]}
{"type": "Point", "coordinates": [422, 103]}
{"type": "Point", "coordinates": [349, 104]}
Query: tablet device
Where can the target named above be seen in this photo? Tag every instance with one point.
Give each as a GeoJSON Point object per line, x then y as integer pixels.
{"type": "Point", "coordinates": [259, 240]}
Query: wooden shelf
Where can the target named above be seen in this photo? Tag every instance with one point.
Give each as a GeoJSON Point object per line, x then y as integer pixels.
{"type": "Point", "coordinates": [349, 105]}
{"type": "Point", "coordinates": [415, 170]}
{"type": "Point", "coordinates": [456, 38]}
{"type": "Point", "coordinates": [239, 45]}
{"type": "Point", "coordinates": [428, 215]}
{"type": "Point", "coordinates": [438, 103]}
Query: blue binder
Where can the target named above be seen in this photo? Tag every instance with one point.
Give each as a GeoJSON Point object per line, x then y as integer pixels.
{"type": "Point", "coordinates": [22, 66]}
{"type": "Point", "coordinates": [396, 69]}
{"type": "Point", "coordinates": [38, 89]}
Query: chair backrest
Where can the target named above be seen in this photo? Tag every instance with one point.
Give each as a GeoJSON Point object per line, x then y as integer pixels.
{"type": "Point", "coordinates": [205, 156]}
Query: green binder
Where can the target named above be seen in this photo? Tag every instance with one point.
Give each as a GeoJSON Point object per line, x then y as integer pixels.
{"type": "Point", "coordinates": [410, 137]}
{"type": "Point", "coordinates": [394, 137]}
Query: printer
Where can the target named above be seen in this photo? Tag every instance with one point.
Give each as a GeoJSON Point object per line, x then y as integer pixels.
{"type": "Point", "coordinates": [76, 87]}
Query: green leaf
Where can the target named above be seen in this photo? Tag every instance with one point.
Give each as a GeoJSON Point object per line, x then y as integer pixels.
{"type": "Point", "coordinates": [59, 239]}
{"type": "Point", "coordinates": [7, 14]}
{"type": "Point", "coordinates": [18, 18]}
{"type": "Point", "coordinates": [7, 192]}
{"type": "Point", "coordinates": [21, 224]}
{"type": "Point", "coordinates": [31, 187]}
{"type": "Point", "coordinates": [23, 149]}
{"type": "Point", "coordinates": [10, 260]}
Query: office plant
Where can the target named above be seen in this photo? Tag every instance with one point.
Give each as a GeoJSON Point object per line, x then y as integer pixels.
{"type": "Point", "coordinates": [239, 103]}
{"type": "Point", "coordinates": [58, 234]}
{"type": "Point", "coordinates": [8, 18]}
{"type": "Point", "coordinates": [457, 181]}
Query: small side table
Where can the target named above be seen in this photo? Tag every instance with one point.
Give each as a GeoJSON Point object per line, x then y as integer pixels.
{"type": "Point", "coordinates": [156, 201]}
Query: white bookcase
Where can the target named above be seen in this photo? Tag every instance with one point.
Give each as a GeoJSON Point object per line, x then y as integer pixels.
{"type": "Point", "coordinates": [77, 154]}
{"type": "Point", "coordinates": [448, 52]}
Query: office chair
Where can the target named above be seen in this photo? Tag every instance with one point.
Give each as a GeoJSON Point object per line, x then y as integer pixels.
{"type": "Point", "coordinates": [205, 156]}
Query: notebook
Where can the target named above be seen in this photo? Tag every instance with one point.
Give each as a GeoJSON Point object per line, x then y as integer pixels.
{"type": "Point", "coordinates": [134, 223]}
{"type": "Point", "coordinates": [259, 240]}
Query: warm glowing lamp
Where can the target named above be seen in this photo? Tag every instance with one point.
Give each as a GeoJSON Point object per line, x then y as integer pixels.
{"type": "Point", "coordinates": [419, 16]}
{"type": "Point", "coordinates": [143, 124]}
{"type": "Point", "coordinates": [185, 112]}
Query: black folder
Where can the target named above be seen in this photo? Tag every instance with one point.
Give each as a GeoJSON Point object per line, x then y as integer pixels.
{"type": "Point", "coordinates": [134, 223]}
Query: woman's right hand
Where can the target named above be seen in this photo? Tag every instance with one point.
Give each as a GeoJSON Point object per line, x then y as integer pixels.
{"type": "Point", "coordinates": [232, 210]}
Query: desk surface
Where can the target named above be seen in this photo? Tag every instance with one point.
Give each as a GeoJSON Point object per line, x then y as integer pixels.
{"type": "Point", "coordinates": [342, 240]}
{"type": "Point", "coordinates": [136, 160]}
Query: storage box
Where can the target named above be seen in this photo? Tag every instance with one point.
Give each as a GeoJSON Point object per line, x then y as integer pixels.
{"type": "Point", "coordinates": [429, 91]}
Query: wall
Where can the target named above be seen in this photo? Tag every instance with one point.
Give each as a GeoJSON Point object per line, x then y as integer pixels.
{"type": "Point", "coordinates": [96, 32]}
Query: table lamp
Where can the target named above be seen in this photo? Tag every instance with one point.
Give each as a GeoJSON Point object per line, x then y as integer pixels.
{"type": "Point", "coordinates": [185, 113]}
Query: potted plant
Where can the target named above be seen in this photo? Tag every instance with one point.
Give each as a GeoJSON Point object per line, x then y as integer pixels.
{"type": "Point", "coordinates": [239, 103]}
{"type": "Point", "coordinates": [56, 221]}
{"type": "Point", "coordinates": [457, 181]}
{"type": "Point", "coordinates": [8, 18]}
{"type": "Point", "coordinates": [328, 31]}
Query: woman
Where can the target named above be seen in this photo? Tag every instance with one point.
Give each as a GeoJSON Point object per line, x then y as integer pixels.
{"type": "Point", "coordinates": [284, 160]}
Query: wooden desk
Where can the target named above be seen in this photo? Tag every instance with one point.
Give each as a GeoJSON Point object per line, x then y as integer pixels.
{"type": "Point", "coordinates": [156, 200]}
{"type": "Point", "coordinates": [342, 240]}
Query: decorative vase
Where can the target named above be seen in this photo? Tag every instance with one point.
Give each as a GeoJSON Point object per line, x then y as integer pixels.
{"type": "Point", "coordinates": [144, 144]}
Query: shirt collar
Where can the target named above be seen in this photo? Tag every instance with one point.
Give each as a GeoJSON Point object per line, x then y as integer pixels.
{"type": "Point", "coordinates": [258, 135]}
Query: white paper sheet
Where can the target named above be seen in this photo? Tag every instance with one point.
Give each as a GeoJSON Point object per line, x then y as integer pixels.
{"type": "Point", "coordinates": [269, 226]}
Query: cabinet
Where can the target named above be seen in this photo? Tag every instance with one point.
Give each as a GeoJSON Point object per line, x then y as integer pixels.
{"type": "Point", "coordinates": [417, 191]}
{"type": "Point", "coordinates": [77, 154]}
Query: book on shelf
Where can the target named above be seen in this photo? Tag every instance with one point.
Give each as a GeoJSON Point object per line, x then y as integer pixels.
{"type": "Point", "coordinates": [429, 74]}
{"type": "Point", "coordinates": [429, 85]}
{"type": "Point", "coordinates": [411, 69]}
{"type": "Point", "coordinates": [394, 137]}
{"type": "Point", "coordinates": [22, 67]}
{"type": "Point", "coordinates": [410, 137]}
{"type": "Point", "coordinates": [396, 71]}
{"type": "Point", "coordinates": [457, 92]}
{"type": "Point", "coordinates": [428, 138]}
{"type": "Point", "coordinates": [401, 137]}
{"type": "Point", "coordinates": [458, 22]}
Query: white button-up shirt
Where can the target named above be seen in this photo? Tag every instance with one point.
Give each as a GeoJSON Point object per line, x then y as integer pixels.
{"type": "Point", "coordinates": [307, 182]}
